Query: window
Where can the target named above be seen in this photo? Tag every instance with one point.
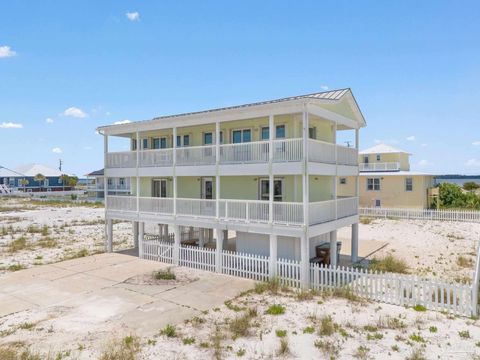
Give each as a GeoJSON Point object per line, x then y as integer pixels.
{"type": "Point", "coordinates": [156, 143]}
{"type": "Point", "coordinates": [378, 157]}
{"type": "Point", "coordinates": [110, 181]}
{"type": "Point", "coordinates": [343, 181]}
{"type": "Point", "coordinates": [241, 136]}
{"type": "Point", "coordinates": [121, 181]}
{"type": "Point", "coordinates": [408, 184]}
{"type": "Point", "coordinates": [365, 159]}
{"type": "Point", "coordinates": [312, 133]}
{"type": "Point", "coordinates": [145, 144]}
{"type": "Point", "coordinates": [378, 203]}
{"type": "Point", "coordinates": [373, 184]}
{"type": "Point", "coordinates": [134, 144]}
{"type": "Point", "coordinates": [277, 189]}
{"type": "Point", "coordinates": [159, 188]}
{"type": "Point", "coordinates": [280, 132]}
{"type": "Point", "coordinates": [163, 143]}
{"type": "Point", "coordinates": [265, 133]}
{"type": "Point", "coordinates": [208, 138]}
{"type": "Point", "coordinates": [183, 140]}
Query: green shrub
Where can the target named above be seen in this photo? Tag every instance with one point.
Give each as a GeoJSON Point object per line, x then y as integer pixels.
{"type": "Point", "coordinates": [419, 308]}
{"type": "Point", "coordinates": [281, 333]}
{"type": "Point", "coordinates": [417, 338]}
{"type": "Point", "coordinates": [309, 330]}
{"type": "Point", "coordinates": [465, 334]}
{"type": "Point", "coordinates": [164, 274]}
{"type": "Point", "coordinates": [470, 186]}
{"type": "Point", "coordinates": [275, 309]}
{"type": "Point", "coordinates": [124, 349]}
{"type": "Point", "coordinates": [188, 340]}
{"type": "Point", "coordinates": [18, 244]}
{"type": "Point", "coordinates": [284, 348]}
{"type": "Point", "coordinates": [169, 331]}
{"type": "Point", "coordinates": [327, 326]}
{"type": "Point", "coordinates": [240, 325]}
{"type": "Point", "coordinates": [389, 264]}
{"type": "Point", "coordinates": [433, 329]}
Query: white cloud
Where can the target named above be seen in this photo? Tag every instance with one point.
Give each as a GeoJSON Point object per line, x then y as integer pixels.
{"type": "Point", "coordinates": [324, 87]}
{"type": "Point", "coordinates": [411, 138]}
{"type": "Point", "coordinates": [122, 122]}
{"type": "Point", "coordinates": [424, 163]}
{"type": "Point", "coordinates": [385, 141]}
{"type": "Point", "coordinates": [6, 51]}
{"type": "Point", "coordinates": [133, 16]}
{"type": "Point", "coordinates": [424, 145]}
{"type": "Point", "coordinates": [476, 143]}
{"type": "Point", "coordinates": [57, 150]}
{"type": "Point", "coordinates": [75, 112]}
{"type": "Point", "coordinates": [473, 163]}
{"type": "Point", "coordinates": [49, 120]}
{"type": "Point", "coordinates": [10, 125]}
{"type": "Point", "coordinates": [87, 148]}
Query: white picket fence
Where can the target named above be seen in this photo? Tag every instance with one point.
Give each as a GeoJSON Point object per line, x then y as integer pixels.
{"type": "Point", "coordinates": [396, 289]}
{"type": "Point", "coordinates": [422, 214]}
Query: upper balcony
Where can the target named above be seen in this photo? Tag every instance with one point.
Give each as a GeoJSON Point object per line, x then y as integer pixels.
{"type": "Point", "coordinates": [379, 166]}
{"type": "Point", "coordinates": [283, 150]}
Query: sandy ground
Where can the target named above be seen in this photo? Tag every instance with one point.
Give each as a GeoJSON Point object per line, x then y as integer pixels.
{"type": "Point", "coordinates": [431, 248]}
{"type": "Point", "coordinates": [69, 232]}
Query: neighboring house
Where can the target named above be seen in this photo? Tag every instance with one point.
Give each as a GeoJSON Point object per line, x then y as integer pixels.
{"type": "Point", "coordinates": [266, 171]}
{"type": "Point", "coordinates": [116, 186]}
{"type": "Point", "coordinates": [386, 180]}
{"type": "Point", "coordinates": [52, 181]}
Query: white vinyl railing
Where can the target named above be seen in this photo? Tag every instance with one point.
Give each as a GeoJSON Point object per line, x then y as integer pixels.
{"type": "Point", "coordinates": [245, 210]}
{"type": "Point", "coordinates": [285, 150]}
{"type": "Point", "coordinates": [347, 207]}
{"type": "Point", "coordinates": [322, 211]}
{"type": "Point", "coordinates": [196, 155]}
{"type": "Point", "coordinates": [384, 166]}
{"type": "Point", "coordinates": [289, 213]}
{"type": "Point", "coordinates": [124, 159]}
{"type": "Point", "coordinates": [396, 289]}
{"type": "Point", "coordinates": [321, 151]}
{"type": "Point", "coordinates": [347, 155]}
{"type": "Point", "coordinates": [422, 214]}
{"type": "Point", "coordinates": [156, 205]}
{"type": "Point", "coordinates": [196, 207]}
{"type": "Point", "coordinates": [252, 152]}
{"type": "Point", "coordinates": [154, 158]}
{"type": "Point", "coordinates": [122, 203]}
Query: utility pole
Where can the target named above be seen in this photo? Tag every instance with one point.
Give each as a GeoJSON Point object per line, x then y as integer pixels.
{"type": "Point", "coordinates": [60, 162]}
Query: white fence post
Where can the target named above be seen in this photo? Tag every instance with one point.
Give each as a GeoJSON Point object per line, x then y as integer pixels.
{"type": "Point", "coordinates": [218, 251]}
{"type": "Point", "coordinates": [176, 244]}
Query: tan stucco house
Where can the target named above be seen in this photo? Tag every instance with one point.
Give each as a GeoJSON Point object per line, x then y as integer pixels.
{"type": "Point", "coordinates": [386, 180]}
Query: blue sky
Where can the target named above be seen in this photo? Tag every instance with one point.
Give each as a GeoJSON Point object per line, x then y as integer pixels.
{"type": "Point", "coordinates": [414, 67]}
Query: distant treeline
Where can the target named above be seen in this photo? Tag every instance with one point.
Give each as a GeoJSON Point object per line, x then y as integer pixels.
{"type": "Point", "coordinates": [456, 176]}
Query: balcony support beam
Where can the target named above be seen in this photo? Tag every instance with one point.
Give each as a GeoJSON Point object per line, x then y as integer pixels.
{"type": "Point", "coordinates": [218, 251]}
{"type": "Point", "coordinates": [333, 248]}
{"type": "Point", "coordinates": [135, 234]}
{"type": "Point", "coordinates": [137, 140]}
{"type": "Point", "coordinates": [174, 155]}
{"type": "Point", "coordinates": [109, 243]}
{"type": "Point", "coordinates": [201, 237]}
{"type": "Point", "coordinates": [272, 271]}
{"type": "Point", "coordinates": [217, 170]}
{"type": "Point", "coordinates": [176, 244]}
{"type": "Point", "coordinates": [271, 132]}
{"type": "Point", "coordinates": [141, 234]}
{"type": "Point", "coordinates": [354, 245]}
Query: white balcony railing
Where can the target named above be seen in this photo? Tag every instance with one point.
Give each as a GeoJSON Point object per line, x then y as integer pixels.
{"type": "Point", "coordinates": [122, 203]}
{"type": "Point", "coordinates": [252, 152]}
{"type": "Point", "coordinates": [196, 155]}
{"type": "Point", "coordinates": [287, 150]}
{"type": "Point", "coordinates": [255, 211]}
{"type": "Point", "coordinates": [384, 166]}
{"type": "Point", "coordinates": [321, 151]}
{"type": "Point", "coordinates": [154, 158]}
{"type": "Point", "coordinates": [124, 159]}
{"type": "Point", "coordinates": [284, 150]}
{"type": "Point", "coordinates": [347, 155]}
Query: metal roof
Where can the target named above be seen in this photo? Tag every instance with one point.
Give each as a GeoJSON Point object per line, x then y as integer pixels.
{"type": "Point", "coordinates": [96, 173]}
{"type": "Point", "coordinates": [5, 172]}
{"type": "Point", "coordinates": [34, 169]}
{"type": "Point", "coordinates": [382, 149]}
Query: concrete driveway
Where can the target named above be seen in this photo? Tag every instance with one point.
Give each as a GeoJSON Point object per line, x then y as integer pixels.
{"type": "Point", "coordinates": [94, 293]}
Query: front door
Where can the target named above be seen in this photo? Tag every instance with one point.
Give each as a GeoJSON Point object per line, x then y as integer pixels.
{"type": "Point", "coordinates": [207, 188]}
{"type": "Point", "coordinates": [159, 188]}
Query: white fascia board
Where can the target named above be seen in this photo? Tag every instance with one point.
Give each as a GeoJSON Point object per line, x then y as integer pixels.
{"type": "Point", "coordinates": [251, 112]}
{"type": "Point", "coordinates": [330, 115]}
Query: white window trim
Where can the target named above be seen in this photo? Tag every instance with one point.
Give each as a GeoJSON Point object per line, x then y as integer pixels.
{"type": "Point", "coordinates": [242, 130]}
{"type": "Point", "coordinates": [259, 195]}
{"type": "Point", "coordinates": [411, 179]}
{"type": "Point", "coordinates": [373, 184]}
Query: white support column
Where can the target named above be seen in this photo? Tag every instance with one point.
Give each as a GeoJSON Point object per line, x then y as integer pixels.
{"type": "Point", "coordinates": [217, 170]}
{"type": "Point", "coordinates": [141, 234]}
{"type": "Point", "coordinates": [218, 252]}
{"type": "Point", "coordinates": [354, 246]}
{"type": "Point", "coordinates": [357, 177]}
{"type": "Point", "coordinates": [105, 185]}
{"type": "Point", "coordinates": [135, 234]}
{"type": "Point", "coordinates": [110, 235]}
{"type": "Point", "coordinates": [304, 239]}
{"type": "Point", "coordinates": [271, 132]}
{"type": "Point", "coordinates": [335, 191]}
{"type": "Point", "coordinates": [333, 248]}
{"type": "Point", "coordinates": [174, 172]}
{"type": "Point", "coordinates": [176, 245]}
{"type": "Point", "coordinates": [136, 171]}
{"type": "Point", "coordinates": [201, 237]}
{"type": "Point", "coordinates": [165, 232]}
{"type": "Point", "coordinates": [272, 271]}
{"type": "Point", "coordinates": [225, 239]}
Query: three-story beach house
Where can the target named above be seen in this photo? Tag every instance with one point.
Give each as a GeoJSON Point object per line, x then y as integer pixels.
{"type": "Point", "coordinates": [266, 172]}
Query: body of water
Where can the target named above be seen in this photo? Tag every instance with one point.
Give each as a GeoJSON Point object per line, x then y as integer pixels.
{"type": "Point", "coordinates": [458, 181]}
